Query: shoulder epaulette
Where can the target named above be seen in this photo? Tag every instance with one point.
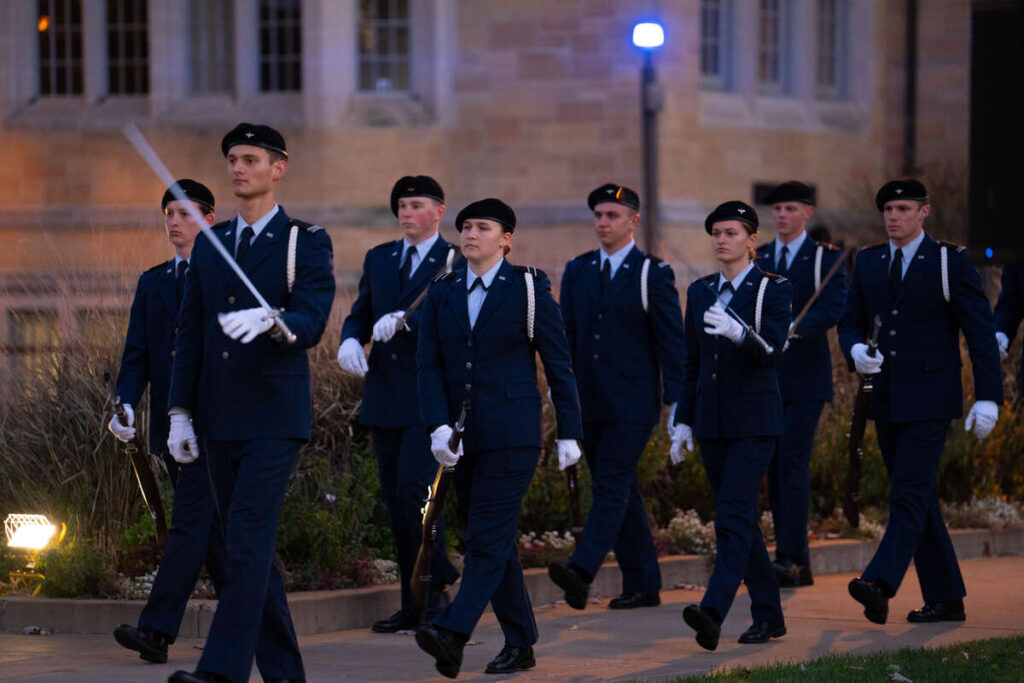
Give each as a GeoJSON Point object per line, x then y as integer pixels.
{"type": "Point", "coordinates": [958, 248]}
{"type": "Point", "coordinates": [585, 255]}
{"type": "Point", "coordinates": [391, 244]}
{"type": "Point", "coordinates": [709, 278]}
{"type": "Point", "coordinates": [536, 272]}
{"type": "Point", "coordinates": [221, 225]}
{"type": "Point", "coordinates": [444, 275]}
{"type": "Point", "coordinates": [872, 247]}
{"type": "Point", "coordinates": [829, 246]}
{"type": "Point", "coordinates": [306, 227]}
{"type": "Point", "coordinates": [159, 266]}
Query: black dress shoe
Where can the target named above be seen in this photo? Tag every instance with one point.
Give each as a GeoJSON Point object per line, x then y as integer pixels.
{"type": "Point", "coordinates": [790, 575]}
{"type": "Point", "coordinates": [512, 659]}
{"type": "Point", "coordinates": [634, 600]}
{"type": "Point", "coordinates": [402, 620]}
{"type": "Point", "coordinates": [444, 646]}
{"type": "Point", "coordinates": [707, 625]}
{"type": "Point", "coordinates": [151, 645]}
{"type": "Point", "coordinates": [873, 596]}
{"type": "Point", "coordinates": [762, 632]}
{"type": "Point", "coordinates": [938, 611]}
{"type": "Point", "coordinates": [196, 677]}
{"type": "Point", "coordinates": [573, 581]}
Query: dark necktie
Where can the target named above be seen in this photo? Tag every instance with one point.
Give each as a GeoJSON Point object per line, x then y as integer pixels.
{"type": "Point", "coordinates": [244, 242]}
{"type": "Point", "coordinates": [405, 272]}
{"type": "Point", "coordinates": [896, 274]}
{"type": "Point", "coordinates": [479, 282]}
{"type": "Point", "coordinates": [606, 276]}
{"type": "Point", "coordinates": [783, 255]}
{"type": "Point", "coordinates": [179, 280]}
{"type": "Point", "coordinates": [726, 292]}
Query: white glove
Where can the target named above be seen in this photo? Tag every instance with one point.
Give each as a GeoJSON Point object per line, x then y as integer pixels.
{"type": "Point", "coordinates": [1004, 345]}
{"type": "Point", "coordinates": [247, 324]}
{"type": "Point", "coordinates": [982, 418]}
{"type": "Point", "coordinates": [670, 425]}
{"type": "Point", "coordinates": [351, 357]}
{"type": "Point", "coordinates": [792, 333]}
{"type": "Point", "coordinates": [865, 364]}
{"type": "Point", "coordinates": [718, 322]}
{"type": "Point", "coordinates": [682, 443]}
{"type": "Point", "coordinates": [123, 432]}
{"type": "Point", "coordinates": [568, 452]}
{"type": "Point", "coordinates": [181, 440]}
{"type": "Point", "coordinates": [439, 439]}
{"type": "Point", "coordinates": [385, 328]}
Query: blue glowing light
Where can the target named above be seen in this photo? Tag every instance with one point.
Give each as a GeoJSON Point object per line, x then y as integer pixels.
{"type": "Point", "coordinates": [648, 35]}
{"type": "Point", "coordinates": [989, 252]}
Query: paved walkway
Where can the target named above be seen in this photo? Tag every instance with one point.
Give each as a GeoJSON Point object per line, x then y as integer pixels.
{"type": "Point", "coordinates": [597, 644]}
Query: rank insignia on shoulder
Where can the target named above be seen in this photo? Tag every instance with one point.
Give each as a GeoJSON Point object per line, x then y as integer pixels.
{"type": "Point", "coordinates": [444, 275]}
{"type": "Point", "coordinates": [663, 264]}
{"type": "Point", "coordinates": [311, 229]}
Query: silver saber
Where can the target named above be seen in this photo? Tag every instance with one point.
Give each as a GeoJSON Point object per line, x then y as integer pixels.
{"type": "Point", "coordinates": [134, 135]}
{"type": "Point", "coordinates": [735, 316]}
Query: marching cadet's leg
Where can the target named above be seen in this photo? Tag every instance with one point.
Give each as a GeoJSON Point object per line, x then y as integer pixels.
{"type": "Point", "coordinates": [942, 585]}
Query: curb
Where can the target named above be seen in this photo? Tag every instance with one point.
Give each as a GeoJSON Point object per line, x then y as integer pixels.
{"type": "Point", "coordinates": [325, 611]}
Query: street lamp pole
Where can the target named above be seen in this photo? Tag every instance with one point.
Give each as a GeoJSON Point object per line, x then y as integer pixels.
{"type": "Point", "coordinates": [649, 37]}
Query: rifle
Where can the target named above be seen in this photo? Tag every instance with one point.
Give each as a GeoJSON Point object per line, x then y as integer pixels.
{"type": "Point", "coordinates": [136, 451]}
{"type": "Point", "coordinates": [403, 320]}
{"type": "Point", "coordinates": [858, 423]}
{"type": "Point", "coordinates": [814, 297]}
{"type": "Point", "coordinates": [574, 503]}
{"type": "Point", "coordinates": [432, 509]}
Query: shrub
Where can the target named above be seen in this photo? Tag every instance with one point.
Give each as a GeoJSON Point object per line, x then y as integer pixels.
{"type": "Point", "coordinates": [75, 570]}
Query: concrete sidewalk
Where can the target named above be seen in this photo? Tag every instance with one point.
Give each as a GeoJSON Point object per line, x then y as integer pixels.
{"type": "Point", "coordinates": [597, 644]}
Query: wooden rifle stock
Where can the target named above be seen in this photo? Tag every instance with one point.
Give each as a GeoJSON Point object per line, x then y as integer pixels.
{"type": "Point", "coordinates": [136, 451]}
{"type": "Point", "coordinates": [433, 509]}
{"type": "Point", "coordinates": [858, 423]}
{"type": "Point", "coordinates": [575, 511]}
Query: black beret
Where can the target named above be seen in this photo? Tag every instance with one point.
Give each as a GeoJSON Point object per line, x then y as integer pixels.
{"type": "Point", "coordinates": [491, 209]}
{"type": "Point", "coordinates": [903, 188]}
{"type": "Point", "coordinates": [195, 191]}
{"type": "Point", "coordinates": [619, 194]}
{"type": "Point", "coordinates": [790, 191]}
{"type": "Point", "coordinates": [415, 186]}
{"type": "Point", "coordinates": [256, 135]}
{"type": "Point", "coordinates": [732, 211]}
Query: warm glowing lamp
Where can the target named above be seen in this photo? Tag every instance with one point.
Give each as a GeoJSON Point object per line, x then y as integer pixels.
{"type": "Point", "coordinates": [31, 533]}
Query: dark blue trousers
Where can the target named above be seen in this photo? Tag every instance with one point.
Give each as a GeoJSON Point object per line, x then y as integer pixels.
{"type": "Point", "coordinates": [736, 468]}
{"type": "Point", "coordinates": [407, 468]}
{"type": "Point", "coordinates": [916, 530]}
{"type": "Point", "coordinates": [617, 518]}
{"type": "Point", "coordinates": [491, 486]}
{"type": "Point", "coordinates": [789, 480]}
{"type": "Point", "coordinates": [252, 613]}
{"type": "Point", "coordinates": [194, 534]}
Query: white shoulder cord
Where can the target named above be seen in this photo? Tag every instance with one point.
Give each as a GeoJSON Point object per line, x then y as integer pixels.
{"type": "Point", "coordinates": [449, 260]}
{"type": "Point", "coordinates": [644, 270]}
{"type": "Point", "coordinates": [944, 268]}
{"type": "Point", "coordinates": [817, 267]}
{"type": "Point", "coordinates": [293, 238]}
{"type": "Point", "coordinates": [760, 304]}
{"type": "Point", "coordinates": [531, 304]}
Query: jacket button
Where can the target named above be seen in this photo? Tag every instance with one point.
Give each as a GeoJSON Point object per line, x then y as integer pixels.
{"type": "Point", "coordinates": [892, 333]}
{"type": "Point", "coordinates": [225, 355]}
{"type": "Point", "coordinates": [469, 366]}
{"type": "Point", "coordinates": [597, 337]}
{"type": "Point", "coordinates": [469, 342]}
{"type": "Point", "coordinates": [895, 311]}
{"type": "Point", "coordinates": [469, 387]}
{"type": "Point", "coordinates": [173, 353]}
{"type": "Point", "coordinates": [714, 375]}
{"type": "Point", "coordinates": [597, 356]}
{"type": "Point", "coordinates": [715, 356]}
{"type": "Point", "coordinates": [394, 356]}
{"type": "Point", "coordinates": [892, 354]}
{"type": "Point", "coordinates": [600, 316]}
{"type": "Point", "coordinates": [231, 299]}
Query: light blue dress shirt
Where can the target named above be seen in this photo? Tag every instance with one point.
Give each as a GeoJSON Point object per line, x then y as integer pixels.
{"type": "Point", "coordinates": [726, 296]}
{"type": "Point", "coordinates": [257, 227]}
{"type": "Point", "coordinates": [617, 258]}
{"type": "Point", "coordinates": [418, 253]}
{"type": "Point", "coordinates": [791, 249]}
{"type": "Point", "coordinates": [476, 297]}
{"type": "Point", "coordinates": [908, 252]}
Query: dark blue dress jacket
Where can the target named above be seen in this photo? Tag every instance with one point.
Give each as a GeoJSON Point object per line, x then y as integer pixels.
{"type": "Point", "coordinates": [1010, 307]}
{"type": "Point", "coordinates": [627, 361]}
{"type": "Point", "coordinates": [259, 390]}
{"type": "Point", "coordinates": [920, 336]}
{"type": "Point", "coordinates": [390, 398]}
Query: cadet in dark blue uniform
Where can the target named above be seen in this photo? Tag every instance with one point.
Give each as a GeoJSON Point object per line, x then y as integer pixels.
{"type": "Point", "coordinates": [925, 293]}
{"type": "Point", "coordinates": [481, 330]}
{"type": "Point", "coordinates": [249, 390]}
{"type": "Point", "coordinates": [625, 329]}
{"type": "Point", "coordinates": [730, 402]}
{"type": "Point", "coordinates": [147, 358]}
{"type": "Point", "coordinates": [1009, 312]}
{"type": "Point", "coordinates": [805, 371]}
{"type": "Point", "coordinates": [394, 274]}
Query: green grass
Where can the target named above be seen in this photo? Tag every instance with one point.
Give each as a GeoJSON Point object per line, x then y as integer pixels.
{"type": "Point", "coordinates": [998, 659]}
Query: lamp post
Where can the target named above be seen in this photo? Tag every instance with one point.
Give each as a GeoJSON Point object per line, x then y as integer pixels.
{"type": "Point", "coordinates": [649, 36]}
